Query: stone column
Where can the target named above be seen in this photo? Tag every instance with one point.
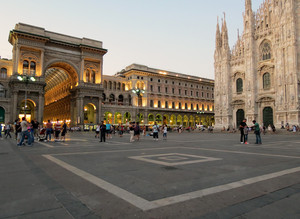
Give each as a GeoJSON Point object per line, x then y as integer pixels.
{"type": "Point", "coordinates": [40, 109]}
{"type": "Point", "coordinates": [42, 62]}
{"type": "Point", "coordinates": [16, 59]}
{"type": "Point", "coordinates": [81, 68]}
{"type": "Point", "coordinates": [14, 105]}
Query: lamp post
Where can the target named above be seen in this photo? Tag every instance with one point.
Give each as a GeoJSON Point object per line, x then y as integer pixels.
{"type": "Point", "coordinates": [139, 93]}
{"type": "Point", "coordinates": [26, 79]}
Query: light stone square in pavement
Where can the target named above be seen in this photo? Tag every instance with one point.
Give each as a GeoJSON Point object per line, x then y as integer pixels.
{"type": "Point", "coordinates": [189, 175]}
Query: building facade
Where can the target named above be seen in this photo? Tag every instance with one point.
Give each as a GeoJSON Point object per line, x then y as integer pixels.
{"type": "Point", "coordinates": [68, 84]}
{"type": "Point", "coordinates": [259, 77]}
{"type": "Point", "coordinates": [165, 97]}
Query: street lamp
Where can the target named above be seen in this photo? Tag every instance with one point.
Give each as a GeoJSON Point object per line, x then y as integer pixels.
{"type": "Point", "coordinates": [139, 93]}
{"type": "Point", "coordinates": [26, 79]}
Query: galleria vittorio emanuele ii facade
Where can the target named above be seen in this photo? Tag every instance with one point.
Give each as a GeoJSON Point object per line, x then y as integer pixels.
{"type": "Point", "coordinates": [259, 78]}
{"type": "Point", "coordinates": [54, 76]}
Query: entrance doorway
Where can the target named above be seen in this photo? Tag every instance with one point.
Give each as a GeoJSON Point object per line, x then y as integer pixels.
{"type": "Point", "coordinates": [61, 78]}
{"type": "Point", "coordinates": [89, 113]}
{"type": "Point", "coordinates": [240, 115]}
{"type": "Point", "coordinates": [268, 116]}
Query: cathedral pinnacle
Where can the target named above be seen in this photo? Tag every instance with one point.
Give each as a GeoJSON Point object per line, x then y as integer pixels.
{"type": "Point", "coordinates": [248, 5]}
{"type": "Point", "coordinates": [218, 35]}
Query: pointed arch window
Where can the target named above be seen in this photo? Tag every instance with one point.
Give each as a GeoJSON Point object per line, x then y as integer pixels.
{"type": "Point", "coordinates": [266, 81]}
{"type": "Point", "coordinates": [266, 51]}
{"type": "Point", "coordinates": [239, 85]}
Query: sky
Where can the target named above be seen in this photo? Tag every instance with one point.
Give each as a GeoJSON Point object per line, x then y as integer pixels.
{"type": "Point", "coordinates": [172, 35]}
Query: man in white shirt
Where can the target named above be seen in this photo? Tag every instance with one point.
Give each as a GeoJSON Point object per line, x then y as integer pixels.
{"type": "Point", "coordinates": [25, 132]}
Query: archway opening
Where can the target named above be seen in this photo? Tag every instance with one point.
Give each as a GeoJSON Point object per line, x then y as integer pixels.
{"type": "Point", "coordinates": [240, 115]}
{"type": "Point", "coordinates": [28, 110]}
{"type": "Point", "coordinates": [150, 119]}
{"type": "Point", "coordinates": [268, 116]}
{"type": "Point", "coordinates": [89, 113]}
{"type": "Point", "coordinates": [118, 118]}
{"type": "Point", "coordinates": [173, 120]}
{"type": "Point", "coordinates": [60, 79]}
{"type": "Point", "coordinates": [127, 117]}
{"type": "Point", "coordinates": [166, 119]}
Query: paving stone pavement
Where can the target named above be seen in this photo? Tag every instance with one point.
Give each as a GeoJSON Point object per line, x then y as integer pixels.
{"type": "Point", "coordinates": [189, 175]}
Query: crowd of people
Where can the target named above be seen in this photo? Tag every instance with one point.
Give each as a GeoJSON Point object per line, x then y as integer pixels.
{"type": "Point", "coordinates": [27, 132]}
{"type": "Point", "coordinates": [105, 131]}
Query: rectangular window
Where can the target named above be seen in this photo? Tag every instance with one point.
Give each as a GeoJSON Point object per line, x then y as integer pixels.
{"type": "Point", "coordinates": [202, 94]}
{"type": "Point", "coordinates": [197, 94]}
{"type": "Point", "coordinates": [151, 88]}
{"type": "Point", "coordinates": [173, 105]}
{"type": "Point", "coordinates": [151, 103]}
{"type": "Point", "coordinates": [166, 104]}
{"type": "Point", "coordinates": [191, 93]}
{"type": "Point", "coordinates": [207, 95]}
{"type": "Point", "coordinates": [179, 91]}
{"type": "Point", "coordinates": [173, 90]}
{"type": "Point", "coordinates": [185, 92]}
{"type": "Point", "coordinates": [159, 104]}
{"type": "Point", "coordinates": [166, 89]}
{"type": "Point", "coordinates": [158, 88]}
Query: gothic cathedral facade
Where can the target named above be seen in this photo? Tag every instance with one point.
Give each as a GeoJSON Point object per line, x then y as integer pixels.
{"type": "Point", "coordinates": [259, 78]}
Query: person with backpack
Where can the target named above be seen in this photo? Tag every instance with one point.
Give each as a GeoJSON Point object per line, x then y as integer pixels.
{"type": "Point", "coordinates": [137, 131]}
{"type": "Point", "coordinates": [155, 131]}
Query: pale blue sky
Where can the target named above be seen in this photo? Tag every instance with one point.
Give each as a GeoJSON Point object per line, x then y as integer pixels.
{"type": "Point", "coordinates": [174, 35]}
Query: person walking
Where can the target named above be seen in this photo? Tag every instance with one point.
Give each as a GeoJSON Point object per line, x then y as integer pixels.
{"type": "Point", "coordinates": [108, 130]}
{"type": "Point", "coordinates": [8, 128]}
{"type": "Point", "coordinates": [102, 132]}
{"type": "Point", "coordinates": [24, 127]}
{"type": "Point", "coordinates": [242, 126]}
{"type": "Point", "coordinates": [131, 131]}
{"type": "Point", "coordinates": [137, 131]}
{"type": "Point", "coordinates": [57, 128]}
{"type": "Point", "coordinates": [18, 130]}
{"type": "Point", "coordinates": [35, 126]}
{"type": "Point", "coordinates": [48, 130]}
{"type": "Point", "coordinates": [97, 131]}
{"type": "Point", "coordinates": [63, 131]}
{"type": "Point", "coordinates": [257, 132]}
{"type": "Point", "coordinates": [155, 131]}
{"type": "Point", "coordinates": [165, 131]}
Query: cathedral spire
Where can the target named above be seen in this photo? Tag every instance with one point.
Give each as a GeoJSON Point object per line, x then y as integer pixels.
{"type": "Point", "coordinates": [218, 35]}
{"type": "Point", "coordinates": [248, 5]}
{"type": "Point", "coordinates": [225, 33]}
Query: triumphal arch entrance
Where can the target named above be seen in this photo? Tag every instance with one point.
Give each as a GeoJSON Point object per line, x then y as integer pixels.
{"type": "Point", "coordinates": [55, 76]}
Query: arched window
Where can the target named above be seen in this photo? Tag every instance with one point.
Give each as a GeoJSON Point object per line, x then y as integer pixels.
{"type": "Point", "coordinates": [239, 85]}
{"type": "Point", "coordinates": [3, 73]}
{"type": "Point", "coordinates": [111, 98]}
{"type": "Point", "coordinates": [32, 68]}
{"type": "Point", "coordinates": [119, 86]}
{"type": "Point", "coordinates": [103, 96]}
{"type": "Point", "coordinates": [87, 75]}
{"type": "Point", "coordinates": [105, 84]}
{"type": "Point", "coordinates": [25, 67]}
{"type": "Point", "coordinates": [110, 85]}
{"type": "Point", "coordinates": [93, 77]}
{"type": "Point", "coordinates": [266, 81]}
{"type": "Point", "coordinates": [265, 51]}
{"type": "Point", "coordinates": [115, 85]}
{"type": "Point", "coordinates": [120, 99]}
